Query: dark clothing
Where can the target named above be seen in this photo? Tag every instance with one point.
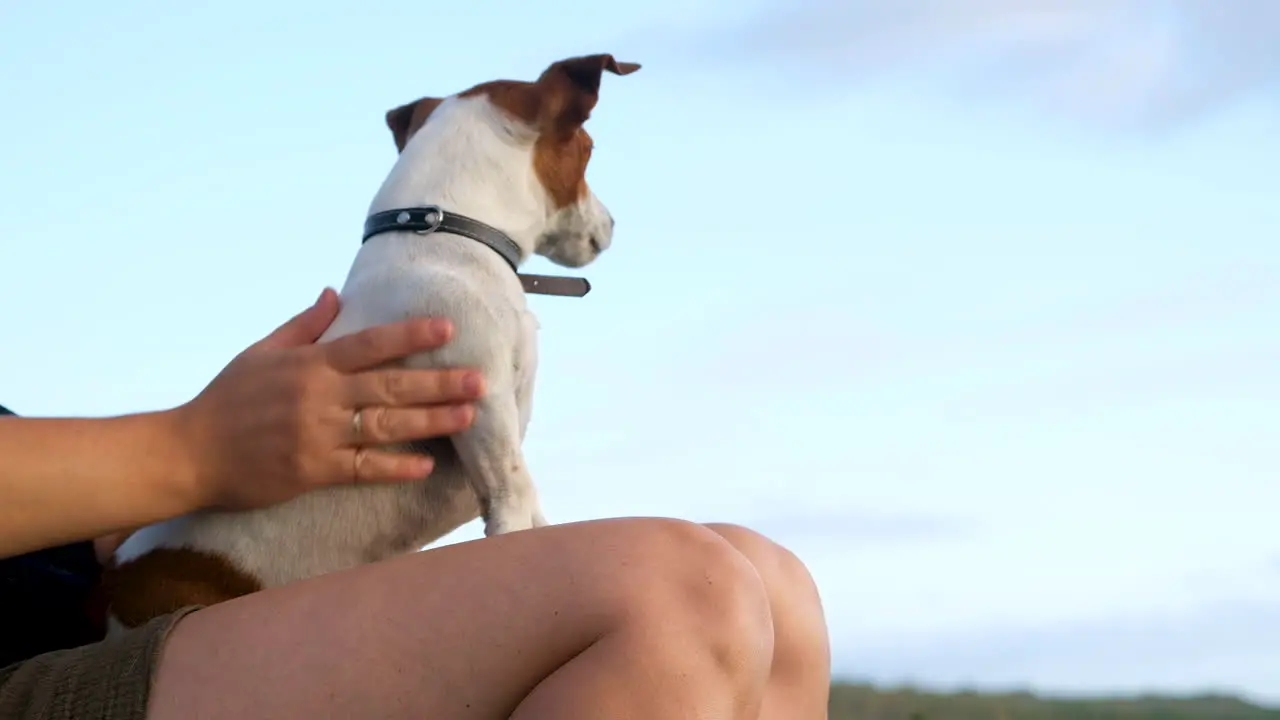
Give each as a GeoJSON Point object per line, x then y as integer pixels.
{"type": "Point", "coordinates": [49, 600]}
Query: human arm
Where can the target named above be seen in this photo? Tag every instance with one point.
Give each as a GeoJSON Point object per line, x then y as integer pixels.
{"type": "Point", "coordinates": [276, 422]}
{"type": "Point", "coordinates": [67, 479]}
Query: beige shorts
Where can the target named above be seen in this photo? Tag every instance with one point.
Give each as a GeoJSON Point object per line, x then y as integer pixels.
{"type": "Point", "coordinates": [108, 680]}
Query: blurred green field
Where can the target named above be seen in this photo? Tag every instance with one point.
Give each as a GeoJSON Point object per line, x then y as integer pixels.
{"type": "Point", "coordinates": [864, 702]}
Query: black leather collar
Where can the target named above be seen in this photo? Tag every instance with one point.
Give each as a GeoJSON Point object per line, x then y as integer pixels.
{"type": "Point", "coordinates": [430, 219]}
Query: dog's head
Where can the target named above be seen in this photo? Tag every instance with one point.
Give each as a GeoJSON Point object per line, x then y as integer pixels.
{"type": "Point", "coordinates": [537, 127]}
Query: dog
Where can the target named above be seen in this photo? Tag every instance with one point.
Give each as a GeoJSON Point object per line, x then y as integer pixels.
{"type": "Point", "coordinates": [483, 179]}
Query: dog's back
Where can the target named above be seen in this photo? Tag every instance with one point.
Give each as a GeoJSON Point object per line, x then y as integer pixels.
{"type": "Point", "coordinates": [343, 526]}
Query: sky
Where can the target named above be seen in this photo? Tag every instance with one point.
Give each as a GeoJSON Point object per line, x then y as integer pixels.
{"type": "Point", "coordinates": [973, 304]}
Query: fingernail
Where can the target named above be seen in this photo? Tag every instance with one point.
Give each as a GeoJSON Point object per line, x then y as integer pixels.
{"type": "Point", "coordinates": [324, 294]}
{"type": "Point", "coordinates": [423, 465]}
{"type": "Point", "coordinates": [440, 327]}
{"type": "Point", "coordinates": [431, 331]}
{"type": "Point", "coordinates": [463, 414]}
{"type": "Point", "coordinates": [473, 383]}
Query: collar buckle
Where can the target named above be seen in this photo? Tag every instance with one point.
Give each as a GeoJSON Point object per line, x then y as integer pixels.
{"type": "Point", "coordinates": [426, 219]}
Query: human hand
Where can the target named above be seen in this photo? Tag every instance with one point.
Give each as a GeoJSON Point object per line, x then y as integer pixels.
{"type": "Point", "coordinates": [280, 418]}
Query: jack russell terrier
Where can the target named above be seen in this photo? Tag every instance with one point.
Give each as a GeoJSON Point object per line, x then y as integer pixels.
{"type": "Point", "coordinates": [484, 179]}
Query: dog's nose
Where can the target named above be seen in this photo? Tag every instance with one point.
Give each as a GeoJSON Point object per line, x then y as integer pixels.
{"type": "Point", "coordinates": [595, 244]}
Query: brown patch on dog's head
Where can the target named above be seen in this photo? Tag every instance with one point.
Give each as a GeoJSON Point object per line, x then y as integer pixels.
{"type": "Point", "coordinates": [165, 580]}
{"type": "Point", "coordinates": [555, 106]}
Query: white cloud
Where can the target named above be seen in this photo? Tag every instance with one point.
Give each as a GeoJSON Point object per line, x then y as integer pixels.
{"type": "Point", "coordinates": [1144, 63]}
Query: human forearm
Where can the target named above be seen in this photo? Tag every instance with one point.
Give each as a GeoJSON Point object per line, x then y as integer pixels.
{"type": "Point", "coordinates": [278, 421]}
{"type": "Point", "coordinates": [63, 480]}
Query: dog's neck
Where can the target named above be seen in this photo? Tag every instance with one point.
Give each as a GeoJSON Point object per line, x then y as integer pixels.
{"type": "Point", "coordinates": [472, 160]}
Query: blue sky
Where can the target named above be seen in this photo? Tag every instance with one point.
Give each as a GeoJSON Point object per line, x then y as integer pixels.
{"type": "Point", "coordinates": [973, 306]}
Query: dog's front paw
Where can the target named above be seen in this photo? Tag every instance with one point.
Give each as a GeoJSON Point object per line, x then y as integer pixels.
{"type": "Point", "coordinates": [503, 523]}
{"type": "Point", "coordinates": [512, 518]}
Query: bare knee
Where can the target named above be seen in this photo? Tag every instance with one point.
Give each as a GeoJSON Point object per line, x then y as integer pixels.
{"type": "Point", "coordinates": [801, 645]}
{"type": "Point", "coordinates": [693, 578]}
{"type": "Point", "coordinates": [776, 564]}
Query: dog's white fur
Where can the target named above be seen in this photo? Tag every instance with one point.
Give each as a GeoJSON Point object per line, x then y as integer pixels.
{"type": "Point", "coordinates": [473, 159]}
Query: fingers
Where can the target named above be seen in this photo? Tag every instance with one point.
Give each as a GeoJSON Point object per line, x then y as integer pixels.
{"type": "Point", "coordinates": [383, 425]}
{"type": "Point", "coordinates": [304, 328]}
{"type": "Point", "coordinates": [365, 465]}
{"type": "Point", "coordinates": [384, 343]}
{"type": "Point", "coordinates": [414, 387]}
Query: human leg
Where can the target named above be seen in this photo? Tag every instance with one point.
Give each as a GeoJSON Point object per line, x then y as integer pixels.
{"type": "Point", "coordinates": [635, 618]}
{"type": "Point", "coordinates": [800, 678]}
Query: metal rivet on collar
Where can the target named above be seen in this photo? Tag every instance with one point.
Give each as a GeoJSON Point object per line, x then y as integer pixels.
{"type": "Point", "coordinates": [402, 218]}
{"type": "Point", "coordinates": [431, 216]}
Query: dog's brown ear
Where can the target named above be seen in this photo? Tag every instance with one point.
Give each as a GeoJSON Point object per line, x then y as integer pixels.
{"type": "Point", "coordinates": [405, 120]}
{"type": "Point", "coordinates": [570, 88]}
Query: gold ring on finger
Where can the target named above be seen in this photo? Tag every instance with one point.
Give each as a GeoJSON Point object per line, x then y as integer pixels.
{"type": "Point", "coordinates": [357, 427]}
{"type": "Point", "coordinates": [357, 460]}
